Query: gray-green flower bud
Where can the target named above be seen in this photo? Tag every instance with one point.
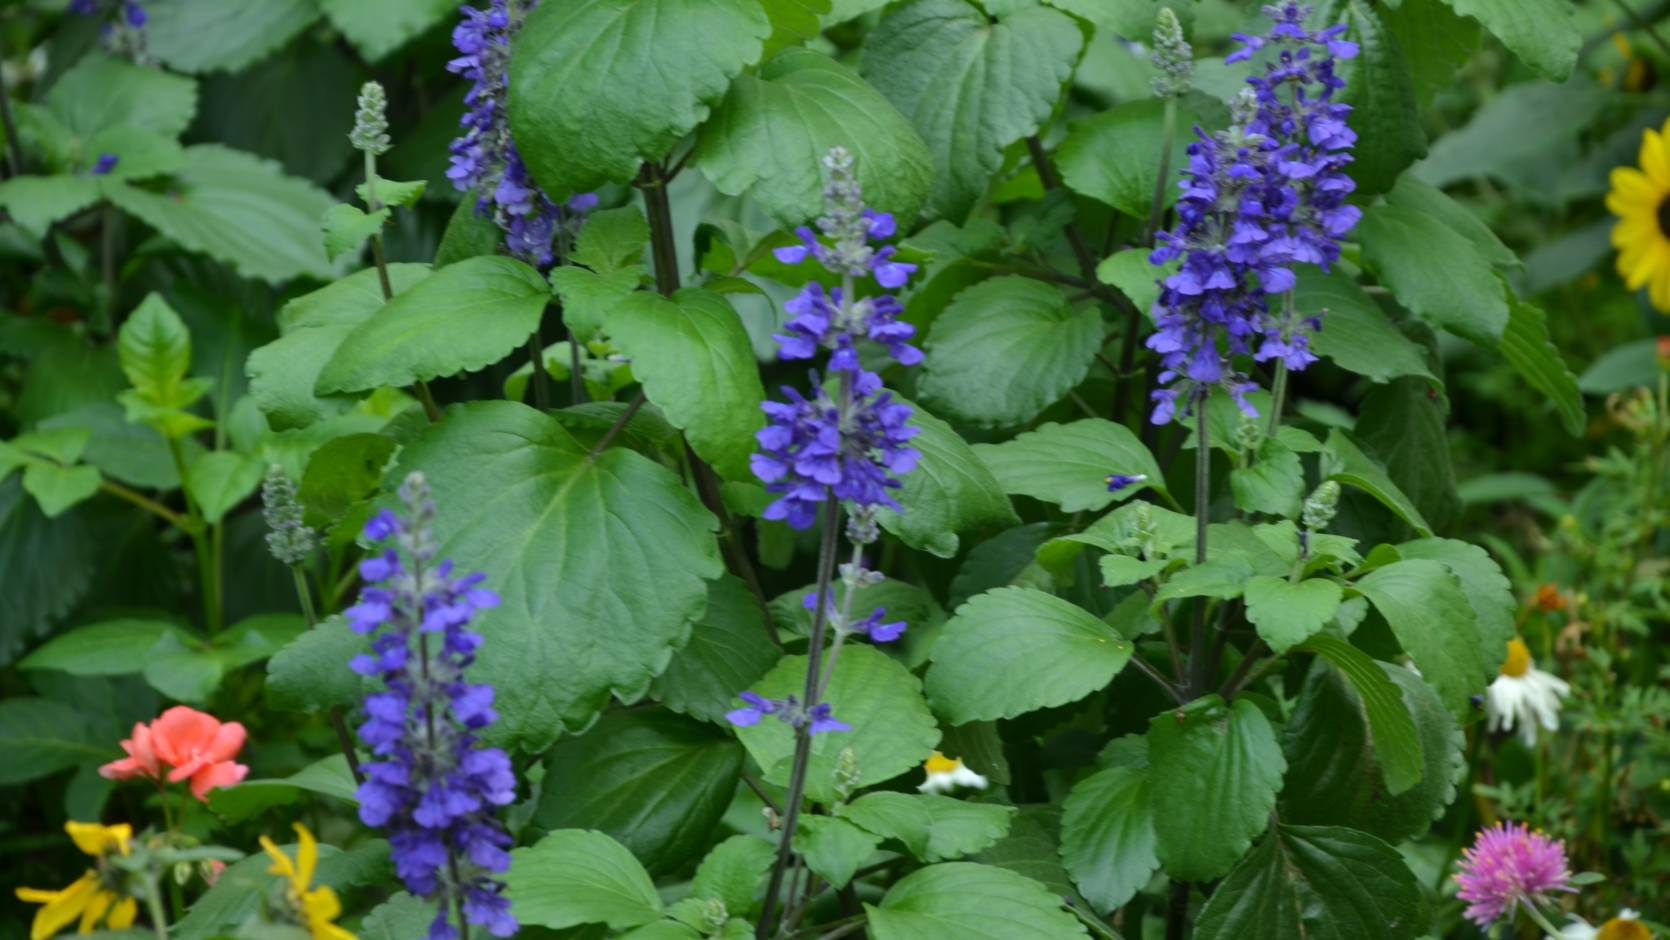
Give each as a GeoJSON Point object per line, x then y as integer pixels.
{"type": "Point", "coordinates": [714, 915]}
{"type": "Point", "coordinates": [288, 538]}
{"type": "Point", "coordinates": [1321, 506]}
{"type": "Point", "coordinates": [847, 778]}
{"type": "Point", "coordinates": [371, 126]}
{"type": "Point", "coordinates": [1172, 55]}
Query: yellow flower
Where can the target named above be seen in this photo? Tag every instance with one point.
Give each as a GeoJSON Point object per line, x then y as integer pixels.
{"type": "Point", "coordinates": [1642, 235]}
{"type": "Point", "coordinates": [89, 898]}
{"type": "Point", "coordinates": [1524, 696]}
{"type": "Point", "coordinates": [318, 907]}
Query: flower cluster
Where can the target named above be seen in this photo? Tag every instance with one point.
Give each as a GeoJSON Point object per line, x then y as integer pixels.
{"type": "Point", "coordinates": [98, 895]}
{"type": "Point", "coordinates": [849, 443]}
{"type": "Point", "coordinates": [1509, 865]}
{"type": "Point", "coordinates": [1259, 197]}
{"type": "Point", "coordinates": [124, 30]}
{"type": "Point", "coordinates": [816, 720]}
{"type": "Point", "coordinates": [315, 909]}
{"type": "Point", "coordinates": [289, 538]}
{"type": "Point", "coordinates": [485, 158]}
{"type": "Point", "coordinates": [182, 744]}
{"type": "Point", "coordinates": [433, 786]}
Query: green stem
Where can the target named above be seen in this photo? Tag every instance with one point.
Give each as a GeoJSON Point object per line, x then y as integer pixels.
{"type": "Point", "coordinates": [1168, 133]}
{"type": "Point", "coordinates": [205, 564]}
{"type": "Point", "coordinates": [153, 902]}
{"type": "Point", "coordinates": [1203, 496]}
{"type": "Point", "coordinates": [304, 595]}
{"type": "Point", "coordinates": [539, 381]}
{"type": "Point", "coordinates": [1540, 920]}
{"type": "Point", "coordinates": [1278, 392]}
{"type": "Point", "coordinates": [146, 503]}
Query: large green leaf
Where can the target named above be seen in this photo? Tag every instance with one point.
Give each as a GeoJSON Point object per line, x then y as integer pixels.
{"type": "Point", "coordinates": [597, 86]}
{"type": "Point", "coordinates": [100, 92]}
{"type": "Point", "coordinates": [41, 736]}
{"type": "Point", "coordinates": [734, 872]}
{"type": "Point", "coordinates": [1543, 33]}
{"type": "Point", "coordinates": [310, 673]}
{"type": "Point", "coordinates": [1068, 464]}
{"type": "Point", "coordinates": [1435, 41]}
{"type": "Point", "coordinates": [932, 827]}
{"type": "Point", "coordinates": [1488, 590]}
{"type": "Point", "coordinates": [1317, 882]}
{"type": "Point", "coordinates": [1107, 835]}
{"type": "Point", "coordinates": [970, 86]}
{"type": "Point", "coordinates": [601, 561]}
{"type": "Point", "coordinates": [111, 648]}
{"type": "Point", "coordinates": [833, 847]}
{"type": "Point", "coordinates": [282, 373]}
{"type": "Point", "coordinates": [154, 347]}
{"type": "Point", "coordinates": [950, 492]}
{"type": "Point", "coordinates": [1114, 156]}
{"type": "Point", "coordinates": [892, 729]}
{"type": "Point", "coordinates": [654, 781]}
{"type": "Point", "coordinates": [1344, 462]}
{"type": "Point", "coordinates": [243, 30]}
{"type": "Point", "coordinates": [1006, 349]}
{"type": "Point", "coordinates": [1272, 483]}
{"type": "Point", "coordinates": [35, 202]}
{"type": "Point", "coordinates": [1435, 272]}
{"type": "Point", "coordinates": [576, 876]}
{"type": "Point", "coordinates": [970, 902]}
{"type": "Point", "coordinates": [1433, 621]}
{"type": "Point", "coordinates": [329, 776]}
{"type": "Point", "coordinates": [697, 365]}
{"type": "Point", "coordinates": [769, 136]}
{"type": "Point", "coordinates": [728, 650]}
{"type": "Point", "coordinates": [1402, 426]}
{"type": "Point", "coordinates": [463, 317]}
{"type": "Point", "coordinates": [220, 480]}
{"type": "Point", "coordinates": [1286, 612]}
{"type": "Point", "coordinates": [238, 209]}
{"type": "Point", "coordinates": [1356, 334]}
{"type": "Point", "coordinates": [1526, 345]}
{"type": "Point", "coordinates": [1623, 367]}
{"type": "Point", "coordinates": [1215, 773]}
{"type": "Point", "coordinates": [51, 563]}
{"type": "Point", "coordinates": [1014, 650]}
{"type": "Point", "coordinates": [378, 27]}
{"type": "Point", "coordinates": [1379, 88]}
{"type": "Point", "coordinates": [1357, 730]}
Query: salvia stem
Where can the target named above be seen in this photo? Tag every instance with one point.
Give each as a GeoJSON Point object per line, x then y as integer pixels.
{"type": "Point", "coordinates": [199, 541]}
{"type": "Point", "coordinates": [146, 503]}
{"type": "Point", "coordinates": [1168, 133]}
{"type": "Point", "coordinates": [1203, 496]}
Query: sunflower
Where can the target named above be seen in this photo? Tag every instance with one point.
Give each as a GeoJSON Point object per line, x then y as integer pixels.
{"type": "Point", "coordinates": [1640, 198]}
{"type": "Point", "coordinates": [91, 898]}
{"type": "Point", "coordinates": [316, 908]}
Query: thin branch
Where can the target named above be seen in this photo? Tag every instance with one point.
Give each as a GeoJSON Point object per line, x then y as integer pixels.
{"type": "Point", "coordinates": [759, 791]}
{"type": "Point", "coordinates": [1148, 670]}
{"type": "Point", "coordinates": [620, 423]}
{"type": "Point", "coordinates": [14, 147]}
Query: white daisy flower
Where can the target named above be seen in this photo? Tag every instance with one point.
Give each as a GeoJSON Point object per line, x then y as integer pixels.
{"type": "Point", "coordinates": [1524, 696]}
{"type": "Point", "coordinates": [948, 773]}
{"type": "Point", "coordinates": [1626, 926]}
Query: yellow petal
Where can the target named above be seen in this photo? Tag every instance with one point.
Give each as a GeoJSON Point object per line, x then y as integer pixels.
{"type": "Point", "coordinates": [1633, 185]}
{"type": "Point", "coordinates": [1659, 292]}
{"type": "Point", "coordinates": [123, 914]}
{"type": "Point", "coordinates": [321, 906]}
{"type": "Point", "coordinates": [281, 862]}
{"type": "Point", "coordinates": [37, 895]}
{"type": "Point", "coordinates": [96, 839]}
{"type": "Point", "coordinates": [95, 909]}
{"type": "Point", "coordinates": [63, 909]}
{"type": "Point", "coordinates": [1654, 162]}
{"type": "Point", "coordinates": [307, 857]}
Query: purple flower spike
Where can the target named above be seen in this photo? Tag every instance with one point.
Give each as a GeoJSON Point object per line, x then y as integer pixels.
{"type": "Point", "coordinates": [431, 783]}
{"type": "Point", "coordinates": [817, 719]}
{"type": "Point", "coordinates": [1118, 481]}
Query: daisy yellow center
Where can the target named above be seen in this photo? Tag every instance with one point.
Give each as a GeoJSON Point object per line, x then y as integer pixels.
{"type": "Point", "coordinates": [1619, 928]}
{"type": "Point", "coordinates": [1519, 659]}
{"type": "Point", "coordinates": [940, 764]}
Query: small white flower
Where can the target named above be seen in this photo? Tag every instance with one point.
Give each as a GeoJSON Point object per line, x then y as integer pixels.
{"type": "Point", "coordinates": [948, 773]}
{"type": "Point", "coordinates": [1626, 926]}
{"type": "Point", "coordinates": [1523, 696]}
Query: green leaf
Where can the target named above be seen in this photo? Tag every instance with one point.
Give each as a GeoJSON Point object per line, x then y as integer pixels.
{"type": "Point", "coordinates": [1030, 848]}
{"type": "Point", "coordinates": [576, 876]}
{"type": "Point", "coordinates": [893, 731]}
{"type": "Point", "coordinates": [1411, 193]}
{"type": "Point", "coordinates": [468, 234]}
{"type": "Point", "coordinates": [394, 192]}
{"type": "Point", "coordinates": [379, 27]}
{"type": "Point", "coordinates": [727, 651]}
{"type": "Point", "coordinates": [1488, 590]}
{"type": "Point", "coordinates": [1402, 426]}
{"type": "Point", "coordinates": [398, 918]}
{"type": "Point", "coordinates": [242, 890]}
{"type": "Point", "coordinates": [1016, 650]}
{"type": "Point", "coordinates": [970, 902]}
{"type": "Point", "coordinates": [1381, 92]}
{"type": "Point", "coordinates": [1526, 346]}
{"type": "Point", "coordinates": [1221, 578]}
{"type": "Point", "coordinates": [35, 202]}
{"type": "Point", "coordinates": [949, 493]}
{"type": "Point", "coordinates": [588, 299]}
{"type": "Point", "coordinates": [601, 561]}
{"type": "Point", "coordinates": [1621, 368]}
{"type": "Point", "coordinates": [238, 209]}
{"type": "Point", "coordinates": [463, 317]}
{"type": "Point", "coordinates": [220, 480]}
{"type": "Point", "coordinates": [1068, 464]}
{"type": "Point", "coordinates": [1435, 41]}
{"type": "Point", "coordinates": [111, 648]}
{"type": "Point", "coordinates": [1435, 272]}
{"type": "Point", "coordinates": [342, 472]}
{"type": "Point", "coordinates": [934, 828]}
{"type": "Point", "coordinates": [51, 563]}
{"type": "Point", "coordinates": [1542, 33]}
{"type": "Point", "coordinates": [329, 776]}
{"type": "Point", "coordinates": [769, 136]}
{"type": "Point", "coordinates": [244, 31]}
{"type": "Point", "coordinates": [1434, 623]}
{"type": "Point", "coordinates": [155, 351]}
{"type": "Point", "coordinates": [794, 21]}
{"type": "Point", "coordinates": [1107, 835]}
{"type": "Point", "coordinates": [1216, 769]}
{"type": "Point", "coordinates": [1318, 882]}
{"type": "Point", "coordinates": [970, 87]}
{"type": "Point", "coordinates": [1273, 483]}
{"type": "Point", "coordinates": [601, 85]}
{"type": "Point", "coordinates": [283, 372]}
{"type": "Point", "coordinates": [1114, 156]}
{"type": "Point", "coordinates": [1006, 349]}
{"type": "Point", "coordinates": [311, 672]}
{"type": "Point", "coordinates": [1139, 279]}
{"type": "Point", "coordinates": [57, 488]}
{"type": "Point", "coordinates": [1347, 740]}
{"type": "Point", "coordinates": [39, 737]}
{"type": "Point", "coordinates": [654, 781]}
{"type": "Point", "coordinates": [1356, 334]}
{"type": "Point", "coordinates": [734, 872]}
{"type": "Point", "coordinates": [1345, 463]}
{"type": "Point", "coordinates": [1526, 124]}
{"type": "Point", "coordinates": [1287, 612]}
{"type": "Point", "coordinates": [101, 92]}
{"type": "Point", "coordinates": [696, 364]}
{"type": "Point", "coordinates": [347, 228]}
{"type": "Point", "coordinates": [833, 847]}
